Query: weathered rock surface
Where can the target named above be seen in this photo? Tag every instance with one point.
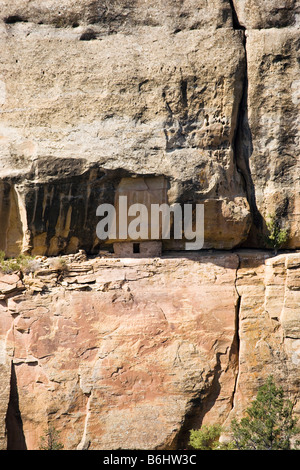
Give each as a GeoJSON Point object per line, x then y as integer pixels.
{"type": "Point", "coordinates": [273, 129]}
{"type": "Point", "coordinates": [132, 353]}
{"type": "Point", "coordinates": [114, 16]}
{"type": "Point", "coordinates": [93, 91]}
{"type": "Point", "coordinates": [267, 13]}
{"type": "Point", "coordinates": [203, 96]}
{"type": "Point", "coordinates": [151, 93]}
{"type": "Point", "coordinates": [268, 326]}
{"type": "Point", "coordinates": [118, 351]}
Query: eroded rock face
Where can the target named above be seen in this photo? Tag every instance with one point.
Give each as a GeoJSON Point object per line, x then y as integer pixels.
{"type": "Point", "coordinates": [268, 140]}
{"type": "Point", "coordinates": [170, 89]}
{"type": "Point", "coordinates": [114, 16]}
{"type": "Point", "coordinates": [204, 96]}
{"type": "Point", "coordinates": [153, 92]}
{"type": "Point", "coordinates": [132, 353]}
{"type": "Point", "coordinates": [268, 326]}
{"type": "Point", "coordinates": [117, 350]}
{"type": "Point", "coordinates": [273, 73]}
{"type": "Point", "coordinates": [267, 13]}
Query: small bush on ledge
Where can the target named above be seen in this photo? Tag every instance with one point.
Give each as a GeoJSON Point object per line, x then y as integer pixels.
{"type": "Point", "coordinates": [277, 236]}
{"type": "Point", "coordinates": [50, 440]}
{"type": "Point", "coordinates": [269, 424]}
{"type": "Point", "coordinates": [59, 264]}
{"type": "Point", "coordinates": [206, 438]}
{"type": "Point", "coordinates": [10, 265]}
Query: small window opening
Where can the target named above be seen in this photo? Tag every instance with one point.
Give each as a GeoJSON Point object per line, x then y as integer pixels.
{"type": "Point", "coordinates": [136, 248]}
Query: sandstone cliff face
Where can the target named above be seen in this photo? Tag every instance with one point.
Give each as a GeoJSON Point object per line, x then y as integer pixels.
{"type": "Point", "coordinates": [204, 96]}
{"type": "Point", "coordinates": [132, 353]}
{"type": "Point", "coordinates": [273, 112]}
{"type": "Point", "coordinates": [119, 349]}
{"type": "Point", "coordinates": [267, 13]}
{"type": "Point", "coordinates": [94, 91]}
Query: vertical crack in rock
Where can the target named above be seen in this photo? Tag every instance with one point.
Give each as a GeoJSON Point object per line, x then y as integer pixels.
{"type": "Point", "coordinates": [13, 421]}
{"type": "Point", "coordinates": [202, 404]}
{"type": "Point", "coordinates": [234, 355]}
{"type": "Point", "coordinates": [235, 20]}
{"type": "Point", "coordinates": [242, 144]}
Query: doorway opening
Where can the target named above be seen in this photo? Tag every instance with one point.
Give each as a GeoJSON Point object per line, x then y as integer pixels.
{"type": "Point", "coordinates": [136, 248]}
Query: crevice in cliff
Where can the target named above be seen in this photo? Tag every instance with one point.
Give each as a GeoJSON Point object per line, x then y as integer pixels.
{"type": "Point", "coordinates": [201, 405]}
{"type": "Point", "coordinates": [234, 355]}
{"type": "Point", "coordinates": [235, 20]}
{"type": "Point", "coordinates": [14, 425]}
{"type": "Point", "coordinates": [242, 142]}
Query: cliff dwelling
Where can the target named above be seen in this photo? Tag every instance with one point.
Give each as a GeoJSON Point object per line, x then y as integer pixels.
{"type": "Point", "coordinates": [145, 191]}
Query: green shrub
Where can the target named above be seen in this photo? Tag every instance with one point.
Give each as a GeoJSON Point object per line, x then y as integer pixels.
{"type": "Point", "coordinates": [10, 265]}
{"type": "Point", "coordinates": [205, 438]}
{"type": "Point", "coordinates": [50, 439]}
{"type": "Point", "coordinates": [276, 235]}
{"type": "Point", "coordinates": [269, 422]}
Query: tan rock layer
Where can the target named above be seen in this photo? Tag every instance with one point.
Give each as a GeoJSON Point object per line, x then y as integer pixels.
{"type": "Point", "coordinates": [202, 93]}
{"type": "Point", "coordinates": [154, 92]}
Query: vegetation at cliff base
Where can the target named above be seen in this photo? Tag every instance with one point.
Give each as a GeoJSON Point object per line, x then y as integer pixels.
{"type": "Point", "coordinates": [277, 236]}
{"type": "Point", "coordinates": [206, 438]}
{"type": "Point", "coordinates": [50, 440]}
{"type": "Point", "coordinates": [268, 424]}
{"type": "Point", "coordinates": [10, 265]}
